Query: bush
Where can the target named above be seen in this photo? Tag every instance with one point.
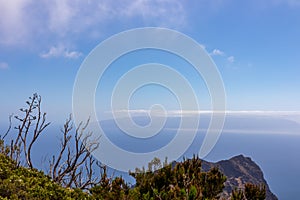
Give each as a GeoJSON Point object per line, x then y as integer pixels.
{"type": "Point", "coordinates": [23, 183]}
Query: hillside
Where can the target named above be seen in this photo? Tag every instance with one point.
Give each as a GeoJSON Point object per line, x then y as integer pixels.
{"type": "Point", "coordinates": [17, 182]}
{"type": "Point", "coordinates": [240, 170]}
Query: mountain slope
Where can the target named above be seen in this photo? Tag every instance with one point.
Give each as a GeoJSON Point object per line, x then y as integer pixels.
{"type": "Point", "coordinates": [240, 170]}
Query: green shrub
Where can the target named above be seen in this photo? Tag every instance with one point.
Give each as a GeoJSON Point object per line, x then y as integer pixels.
{"type": "Point", "coordinates": [22, 183]}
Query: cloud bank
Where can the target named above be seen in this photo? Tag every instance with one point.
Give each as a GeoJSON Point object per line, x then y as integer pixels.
{"type": "Point", "coordinates": [248, 122]}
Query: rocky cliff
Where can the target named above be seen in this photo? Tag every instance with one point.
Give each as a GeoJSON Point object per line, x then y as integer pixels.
{"type": "Point", "coordinates": [240, 170]}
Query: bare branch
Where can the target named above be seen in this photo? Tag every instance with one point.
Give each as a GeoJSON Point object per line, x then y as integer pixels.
{"type": "Point", "coordinates": [74, 165]}
{"type": "Point", "coordinates": [9, 127]}
{"type": "Point", "coordinates": [29, 129]}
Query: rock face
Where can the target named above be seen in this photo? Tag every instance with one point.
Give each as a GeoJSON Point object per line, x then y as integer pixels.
{"type": "Point", "coordinates": [240, 170]}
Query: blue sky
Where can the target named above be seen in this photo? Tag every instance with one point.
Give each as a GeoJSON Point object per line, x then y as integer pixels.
{"type": "Point", "coordinates": [255, 45]}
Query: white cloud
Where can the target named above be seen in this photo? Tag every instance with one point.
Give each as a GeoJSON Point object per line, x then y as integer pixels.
{"type": "Point", "coordinates": [72, 54]}
{"type": "Point", "coordinates": [164, 12]}
{"type": "Point", "coordinates": [289, 115]}
{"type": "Point", "coordinates": [60, 51]}
{"type": "Point", "coordinates": [231, 59]}
{"type": "Point", "coordinates": [24, 21]}
{"type": "Point", "coordinates": [217, 52]}
{"type": "Point", "coordinates": [231, 112]}
{"type": "Point", "coordinates": [69, 15]}
{"type": "Point", "coordinates": [60, 15]}
{"type": "Point", "coordinates": [13, 21]}
{"type": "Point", "coordinates": [3, 65]}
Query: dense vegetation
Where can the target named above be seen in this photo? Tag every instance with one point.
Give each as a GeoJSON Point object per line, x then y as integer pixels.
{"type": "Point", "coordinates": [184, 180]}
{"type": "Point", "coordinates": [72, 176]}
{"type": "Point", "coordinates": [17, 182]}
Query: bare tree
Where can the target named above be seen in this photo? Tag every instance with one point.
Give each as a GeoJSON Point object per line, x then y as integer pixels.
{"type": "Point", "coordinates": [74, 165]}
{"type": "Point", "coordinates": [32, 124]}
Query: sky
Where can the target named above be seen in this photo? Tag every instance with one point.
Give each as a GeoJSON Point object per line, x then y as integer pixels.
{"type": "Point", "coordinates": [254, 44]}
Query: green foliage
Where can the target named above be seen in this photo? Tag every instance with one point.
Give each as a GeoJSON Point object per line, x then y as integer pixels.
{"type": "Point", "coordinates": [212, 183]}
{"type": "Point", "coordinates": [237, 194]}
{"type": "Point", "coordinates": [22, 183]}
{"type": "Point", "coordinates": [193, 193]}
{"type": "Point", "coordinates": [251, 192]}
{"type": "Point", "coordinates": [183, 181]}
{"type": "Point", "coordinates": [255, 192]}
{"type": "Point", "coordinates": [107, 189]}
{"type": "Point", "coordinates": [4, 149]}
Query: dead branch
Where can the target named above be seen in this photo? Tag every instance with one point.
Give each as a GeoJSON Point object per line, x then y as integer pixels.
{"type": "Point", "coordinates": [74, 165]}
{"type": "Point", "coordinates": [32, 125]}
{"type": "Point", "coordinates": [8, 129]}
